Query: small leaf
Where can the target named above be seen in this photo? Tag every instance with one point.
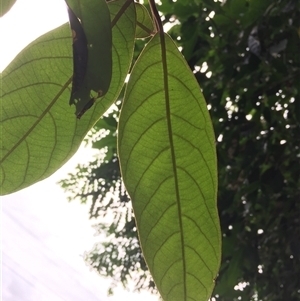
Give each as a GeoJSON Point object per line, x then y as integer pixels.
{"type": "Point", "coordinates": [106, 122]}
{"type": "Point", "coordinates": [5, 6]}
{"type": "Point", "coordinates": [168, 160]}
{"type": "Point", "coordinates": [144, 23]}
{"type": "Point", "coordinates": [95, 57]}
{"type": "Point", "coordinates": [108, 141]}
{"type": "Point", "coordinates": [38, 130]}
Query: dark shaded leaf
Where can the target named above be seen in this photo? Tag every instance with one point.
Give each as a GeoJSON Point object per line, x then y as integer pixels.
{"type": "Point", "coordinates": [92, 72]}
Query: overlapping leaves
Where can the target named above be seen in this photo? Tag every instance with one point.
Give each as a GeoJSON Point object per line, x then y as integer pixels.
{"type": "Point", "coordinates": [166, 141]}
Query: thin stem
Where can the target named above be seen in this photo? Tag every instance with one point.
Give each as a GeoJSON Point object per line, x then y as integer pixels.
{"type": "Point", "coordinates": [155, 14]}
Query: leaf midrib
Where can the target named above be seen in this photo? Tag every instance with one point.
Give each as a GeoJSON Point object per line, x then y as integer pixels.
{"type": "Point", "coordinates": [173, 157]}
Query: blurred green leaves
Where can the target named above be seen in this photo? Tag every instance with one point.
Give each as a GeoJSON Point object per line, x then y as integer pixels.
{"type": "Point", "coordinates": [5, 6]}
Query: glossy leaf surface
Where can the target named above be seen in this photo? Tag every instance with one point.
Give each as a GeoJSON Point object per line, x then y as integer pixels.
{"type": "Point", "coordinates": [39, 131]}
{"type": "Point", "coordinates": [168, 163]}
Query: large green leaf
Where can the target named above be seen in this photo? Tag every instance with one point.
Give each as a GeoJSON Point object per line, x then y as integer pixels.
{"type": "Point", "coordinates": [168, 163]}
{"type": "Point", "coordinates": [39, 131]}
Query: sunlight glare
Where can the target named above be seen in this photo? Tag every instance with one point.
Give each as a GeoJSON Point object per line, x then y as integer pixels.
{"type": "Point", "coordinates": [22, 24]}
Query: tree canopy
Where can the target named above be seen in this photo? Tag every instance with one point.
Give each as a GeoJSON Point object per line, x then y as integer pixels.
{"type": "Point", "coordinates": [245, 56]}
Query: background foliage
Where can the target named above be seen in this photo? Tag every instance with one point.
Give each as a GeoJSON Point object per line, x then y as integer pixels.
{"type": "Point", "coordinates": [245, 55]}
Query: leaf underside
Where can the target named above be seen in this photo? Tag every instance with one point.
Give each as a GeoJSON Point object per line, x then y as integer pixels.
{"type": "Point", "coordinates": [145, 24]}
{"type": "Point", "coordinates": [168, 161]}
{"type": "Point", "coordinates": [39, 132]}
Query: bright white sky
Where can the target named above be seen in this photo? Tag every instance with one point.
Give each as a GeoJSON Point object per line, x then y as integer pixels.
{"type": "Point", "coordinates": [27, 20]}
